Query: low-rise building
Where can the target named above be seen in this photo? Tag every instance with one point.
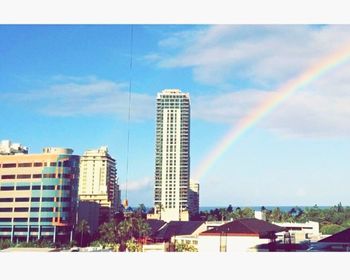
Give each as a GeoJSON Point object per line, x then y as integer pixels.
{"type": "Point", "coordinates": [240, 235]}
{"type": "Point", "coordinates": [299, 232]}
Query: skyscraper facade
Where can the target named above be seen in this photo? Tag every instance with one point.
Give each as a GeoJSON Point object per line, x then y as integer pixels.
{"type": "Point", "coordinates": [193, 199]}
{"type": "Point", "coordinates": [172, 161]}
{"type": "Point", "coordinates": [98, 181]}
{"type": "Point", "coordinates": [38, 195]}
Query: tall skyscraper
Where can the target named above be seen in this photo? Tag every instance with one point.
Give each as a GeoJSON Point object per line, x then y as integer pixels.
{"type": "Point", "coordinates": [98, 181]}
{"type": "Point", "coordinates": [38, 195]}
{"type": "Point", "coordinates": [172, 166]}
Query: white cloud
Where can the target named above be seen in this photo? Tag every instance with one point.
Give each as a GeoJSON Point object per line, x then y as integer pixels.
{"type": "Point", "coordinates": [71, 96]}
{"type": "Point", "coordinates": [260, 53]}
{"type": "Point", "coordinates": [136, 185]}
{"type": "Point", "coordinates": [321, 110]}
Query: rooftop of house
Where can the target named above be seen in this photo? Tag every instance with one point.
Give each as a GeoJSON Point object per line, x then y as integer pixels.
{"type": "Point", "coordinates": [248, 226]}
{"type": "Point", "coordinates": [174, 228]}
{"type": "Point", "coordinates": [155, 225]}
{"type": "Point", "coordinates": [340, 237]}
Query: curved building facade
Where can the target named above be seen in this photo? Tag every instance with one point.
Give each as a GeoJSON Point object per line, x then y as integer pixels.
{"type": "Point", "coordinates": [38, 195]}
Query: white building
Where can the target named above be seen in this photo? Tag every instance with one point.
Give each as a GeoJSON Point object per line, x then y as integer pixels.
{"type": "Point", "coordinates": [9, 148]}
{"type": "Point", "coordinates": [299, 232]}
{"type": "Point", "coordinates": [98, 181]}
{"type": "Point", "coordinates": [242, 235]}
{"type": "Point", "coordinates": [172, 166]}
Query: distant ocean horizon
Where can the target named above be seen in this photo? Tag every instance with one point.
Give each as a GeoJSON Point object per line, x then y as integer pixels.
{"type": "Point", "coordinates": [283, 208]}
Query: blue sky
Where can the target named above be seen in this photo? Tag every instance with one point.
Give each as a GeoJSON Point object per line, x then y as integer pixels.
{"type": "Point", "coordinates": [67, 85]}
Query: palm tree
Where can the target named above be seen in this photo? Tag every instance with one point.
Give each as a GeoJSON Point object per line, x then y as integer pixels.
{"type": "Point", "coordinates": [83, 227]}
{"type": "Point", "coordinates": [108, 232]}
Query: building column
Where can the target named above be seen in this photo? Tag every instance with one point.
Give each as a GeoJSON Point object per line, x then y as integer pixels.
{"type": "Point", "coordinates": [28, 233]}
{"type": "Point", "coordinates": [39, 231]}
{"type": "Point", "coordinates": [12, 232]}
{"type": "Point", "coordinates": [54, 234]}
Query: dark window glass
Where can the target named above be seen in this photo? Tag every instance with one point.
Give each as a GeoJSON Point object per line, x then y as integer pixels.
{"type": "Point", "coordinates": [49, 188]}
{"type": "Point", "coordinates": [49, 175]}
{"type": "Point", "coordinates": [46, 209]}
{"type": "Point", "coordinates": [65, 209]}
{"type": "Point", "coordinates": [21, 209]}
{"type": "Point", "coordinates": [9, 165]}
{"type": "Point", "coordinates": [66, 188]}
{"type": "Point", "coordinates": [53, 164]}
{"type": "Point", "coordinates": [5, 219]}
{"type": "Point", "coordinates": [47, 199]}
{"type": "Point", "coordinates": [8, 177]}
{"type": "Point", "coordinates": [35, 199]}
{"type": "Point", "coordinates": [47, 229]}
{"type": "Point", "coordinates": [38, 164]}
{"type": "Point", "coordinates": [20, 229]}
{"type": "Point", "coordinates": [25, 164]}
{"type": "Point", "coordinates": [34, 219]}
{"type": "Point", "coordinates": [7, 188]}
{"type": "Point", "coordinates": [20, 219]}
{"type": "Point", "coordinates": [6, 199]}
{"type": "Point", "coordinates": [34, 209]}
{"type": "Point", "coordinates": [37, 176]}
{"type": "Point", "coordinates": [23, 188]}
{"type": "Point", "coordinates": [21, 199]}
{"type": "Point", "coordinates": [23, 176]}
{"type": "Point", "coordinates": [46, 220]}
{"type": "Point", "coordinates": [6, 209]}
{"type": "Point", "coordinates": [5, 229]}
{"type": "Point", "coordinates": [67, 163]}
{"type": "Point", "coordinates": [36, 187]}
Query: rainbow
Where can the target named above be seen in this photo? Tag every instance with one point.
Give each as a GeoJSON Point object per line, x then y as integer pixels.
{"type": "Point", "coordinates": [269, 104]}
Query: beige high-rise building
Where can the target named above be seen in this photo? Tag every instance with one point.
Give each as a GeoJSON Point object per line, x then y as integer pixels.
{"type": "Point", "coordinates": [172, 166]}
{"type": "Point", "coordinates": [98, 181]}
{"type": "Point", "coordinates": [193, 198]}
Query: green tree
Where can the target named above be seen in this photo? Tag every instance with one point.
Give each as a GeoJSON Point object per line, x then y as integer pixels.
{"type": "Point", "coordinates": [83, 228]}
{"type": "Point", "coordinates": [331, 229]}
{"type": "Point", "coordinates": [108, 232]}
{"type": "Point", "coordinates": [183, 247]}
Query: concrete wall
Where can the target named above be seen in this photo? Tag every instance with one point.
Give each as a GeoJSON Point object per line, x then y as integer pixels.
{"type": "Point", "coordinates": [233, 243]}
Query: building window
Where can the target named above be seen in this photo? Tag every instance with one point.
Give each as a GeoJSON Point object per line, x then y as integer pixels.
{"type": "Point", "coordinates": [51, 188]}
{"type": "Point", "coordinates": [23, 220]}
{"type": "Point", "coordinates": [21, 199]}
{"type": "Point", "coordinates": [25, 164]}
{"type": "Point", "coordinates": [34, 209]}
{"type": "Point", "coordinates": [33, 219]}
{"type": "Point", "coordinates": [23, 176]}
{"type": "Point", "coordinates": [38, 164]}
{"type": "Point", "coordinates": [37, 176]}
{"type": "Point", "coordinates": [6, 199]}
{"type": "Point", "coordinates": [7, 188]}
{"type": "Point", "coordinates": [47, 199]}
{"type": "Point", "coordinates": [46, 209]}
{"type": "Point", "coordinates": [45, 220]}
{"type": "Point", "coordinates": [7, 209]}
{"type": "Point", "coordinates": [9, 165]}
{"type": "Point", "coordinates": [5, 220]}
{"type": "Point", "coordinates": [7, 177]}
{"type": "Point", "coordinates": [53, 164]}
{"type": "Point", "coordinates": [21, 209]}
{"type": "Point", "coordinates": [36, 187]}
{"type": "Point", "coordinates": [22, 188]}
{"type": "Point", "coordinates": [49, 175]}
{"type": "Point", "coordinates": [35, 199]}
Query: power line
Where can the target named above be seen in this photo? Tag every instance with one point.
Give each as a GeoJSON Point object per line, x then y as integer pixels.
{"type": "Point", "coordinates": [129, 111]}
